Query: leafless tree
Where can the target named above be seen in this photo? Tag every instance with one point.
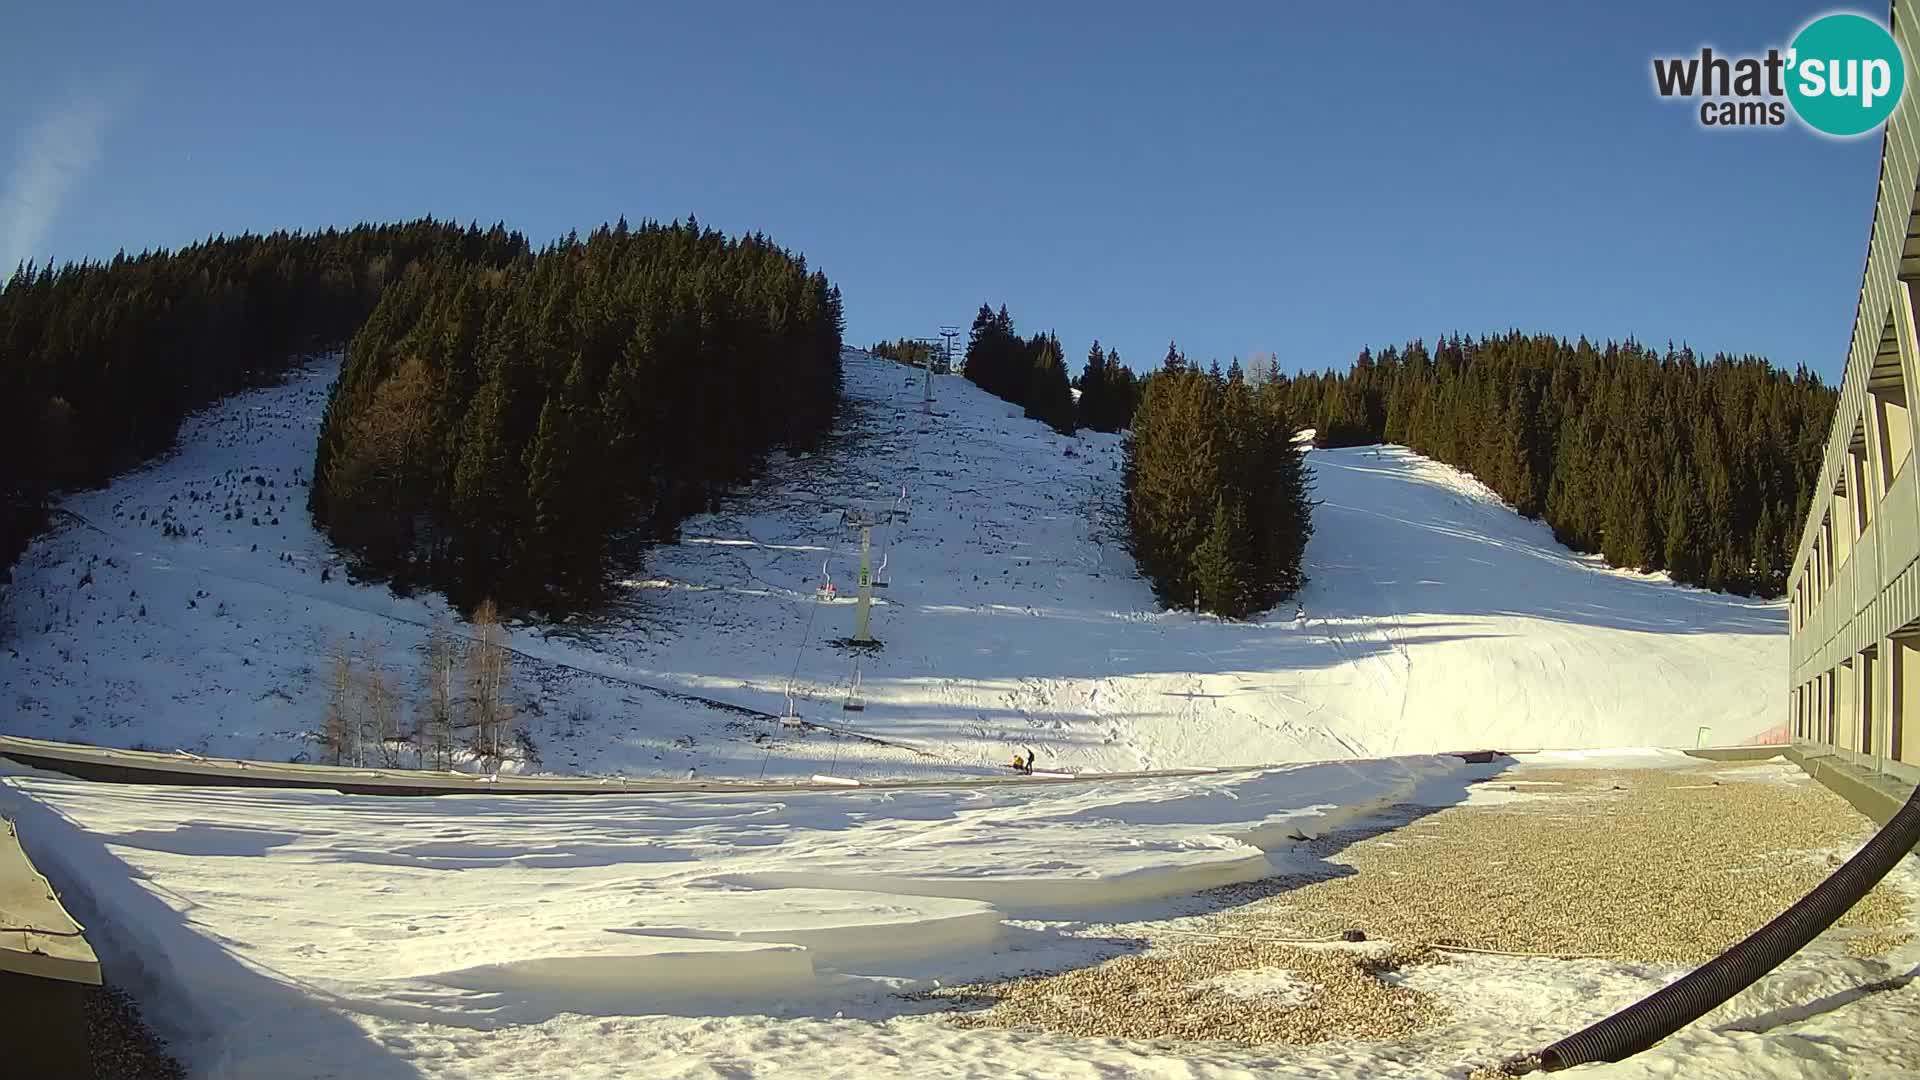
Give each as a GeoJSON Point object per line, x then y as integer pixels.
{"type": "Point", "coordinates": [382, 699]}
{"type": "Point", "coordinates": [487, 674]}
{"type": "Point", "coordinates": [433, 733]}
{"type": "Point", "coordinates": [1262, 368]}
{"type": "Point", "coordinates": [337, 727]}
{"type": "Point", "coordinates": [361, 703]}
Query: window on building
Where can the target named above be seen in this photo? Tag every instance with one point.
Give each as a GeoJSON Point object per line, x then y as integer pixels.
{"type": "Point", "coordinates": [1845, 527]}
{"type": "Point", "coordinates": [1828, 562]}
{"type": "Point", "coordinates": [1887, 390]}
{"type": "Point", "coordinates": [1860, 479]}
{"type": "Point", "coordinates": [1896, 433]}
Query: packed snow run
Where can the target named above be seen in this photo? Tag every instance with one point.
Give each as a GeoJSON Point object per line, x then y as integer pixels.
{"type": "Point", "coordinates": [314, 934]}
{"type": "Point", "coordinates": [191, 605]}
{"type": "Point", "coordinates": [263, 918]}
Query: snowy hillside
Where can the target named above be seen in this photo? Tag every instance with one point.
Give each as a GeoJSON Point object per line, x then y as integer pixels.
{"type": "Point", "coordinates": [185, 606]}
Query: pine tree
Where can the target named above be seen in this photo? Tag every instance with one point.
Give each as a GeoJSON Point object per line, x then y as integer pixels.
{"type": "Point", "coordinates": [981, 332]}
{"type": "Point", "coordinates": [1771, 559]}
{"type": "Point", "coordinates": [565, 497]}
{"type": "Point", "coordinates": [1172, 475]}
{"type": "Point", "coordinates": [1682, 556]}
{"type": "Point", "coordinates": [998, 361]}
{"type": "Point", "coordinates": [1095, 404]}
{"type": "Point", "coordinates": [1123, 393]}
{"type": "Point", "coordinates": [1222, 561]}
{"type": "Point", "coordinates": [1049, 397]}
{"type": "Point", "coordinates": [1217, 499]}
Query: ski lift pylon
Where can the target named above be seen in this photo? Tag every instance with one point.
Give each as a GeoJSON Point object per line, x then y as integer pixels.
{"type": "Point", "coordinates": [854, 702]}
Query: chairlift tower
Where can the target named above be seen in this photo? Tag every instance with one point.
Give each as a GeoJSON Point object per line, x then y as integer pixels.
{"type": "Point", "coordinates": [926, 394]}
{"type": "Point", "coordinates": [949, 333]}
{"type": "Point", "coordinates": [864, 520]}
{"type": "Point", "coordinates": [861, 520]}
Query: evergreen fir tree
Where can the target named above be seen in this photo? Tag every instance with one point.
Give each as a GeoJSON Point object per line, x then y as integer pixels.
{"type": "Point", "coordinates": [1095, 406]}
{"type": "Point", "coordinates": [1049, 398]}
{"type": "Point", "coordinates": [1221, 562]}
{"type": "Point", "coordinates": [1217, 499]}
{"type": "Point", "coordinates": [1123, 388]}
{"type": "Point", "coordinates": [1682, 555]}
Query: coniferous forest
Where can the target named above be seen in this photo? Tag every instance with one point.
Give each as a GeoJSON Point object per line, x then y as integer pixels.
{"type": "Point", "coordinates": [1655, 459]}
{"type": "Point", "coordinates": [100, 361]}
{"type": "Point", "coordinates": [496, 429]}
{"type": "Point", "coordinates": [907, 351]}
{"type": "Point", "coordinates": [502, 417]}
{"type": "Point", "coordinates": [1109, 391]}
{"type": "Point", "coordinates": [1217, 496]}
{"type": "Point", "coordinates": [1029, 372]}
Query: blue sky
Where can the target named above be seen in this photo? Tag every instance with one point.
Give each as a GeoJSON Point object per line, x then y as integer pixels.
{"type": "Point", "coordinates": [1240, 177]}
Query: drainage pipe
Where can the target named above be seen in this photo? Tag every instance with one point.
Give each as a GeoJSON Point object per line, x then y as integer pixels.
{"type": "Point", "coordinates": [1646, 1022]}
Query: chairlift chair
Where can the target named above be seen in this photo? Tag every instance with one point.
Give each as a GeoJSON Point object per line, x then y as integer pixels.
{"type": "Point", "coordinates": [880, 576]}
{"type": "Point", "coordinates": [855, 702]}
{"type": "Point", "coordinates": [850, 526]}
{"type": "Point", "coordinates": [826, 591]}
{"type": "Point", "coordinates": [791, 718]}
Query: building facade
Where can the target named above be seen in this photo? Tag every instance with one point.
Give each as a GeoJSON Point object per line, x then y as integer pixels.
{"type": "Point", "coordinates": [1854, 593]}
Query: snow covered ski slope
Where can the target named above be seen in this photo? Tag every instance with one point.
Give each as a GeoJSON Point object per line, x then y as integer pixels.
{"type": "Point", "coordinates": [184, 606]}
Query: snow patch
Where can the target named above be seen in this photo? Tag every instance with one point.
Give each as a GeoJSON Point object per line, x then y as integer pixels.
{"type": "Point", "coordinates": [676, 967]}
{"type": "Point", "coordinates": [1611, 758]}
{"type": "Point", "coordinates": [1276, 986]}
{"type": "Point", "coordinates": [304, 933]}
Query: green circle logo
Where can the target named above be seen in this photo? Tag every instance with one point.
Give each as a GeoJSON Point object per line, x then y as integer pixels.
{"type": "Point", "coordinates": [1845, 74]}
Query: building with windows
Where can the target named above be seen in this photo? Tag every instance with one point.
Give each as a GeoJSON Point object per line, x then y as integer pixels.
{"type": "Point", "coordinates": [1854, 593]}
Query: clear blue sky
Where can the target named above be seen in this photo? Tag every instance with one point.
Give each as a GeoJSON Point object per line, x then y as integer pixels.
{"type": "Point", "coordinates": [1239, 177]}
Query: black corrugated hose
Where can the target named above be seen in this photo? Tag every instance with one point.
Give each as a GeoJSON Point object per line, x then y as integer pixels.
{"type": "Point", "coordinates": [1646, 1022]}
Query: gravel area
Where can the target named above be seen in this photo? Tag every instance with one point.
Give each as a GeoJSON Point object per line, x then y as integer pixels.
{"type": "Point", "coordinates": [1663, 865]}
{"type": "Point", "coordinates": [122, 1045]}
{"type": "Point", "coordinates": [1162, 995]}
